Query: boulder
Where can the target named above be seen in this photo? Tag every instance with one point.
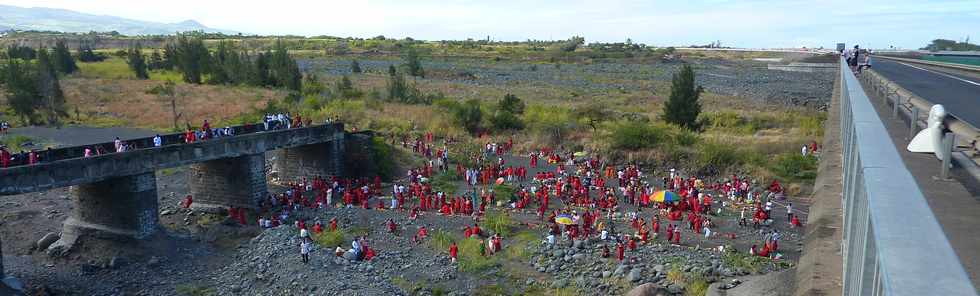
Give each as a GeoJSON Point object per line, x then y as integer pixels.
{"type": "Point", "coordinates": [648, 289]}
{"type": "Point", "coordinates": [46, 241]}
{"type": "Point", "coordinates": [620, 270]}
{"type": "Point", "coordinates": [634, 275]}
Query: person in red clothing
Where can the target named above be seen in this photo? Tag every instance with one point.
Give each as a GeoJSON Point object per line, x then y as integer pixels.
{"type": "Point", "coordinates": [189, 136]}
{"type": "Point", "coordinates": [4, 157]}
{"type": "Point", "coordinates": [187, 202]}
{"type": "Point", "coordinates": [620, 251]}
{"type": "Point", "coordinates": [631, 243]}
{"type": "Point", "coordinates": [392, 227]}
{"type": "Point", "coordinates": [677, 235]}
{"type": "Point", "coordinates": [318, 227]}
{"type": "Point", "coordinates": [453, 252]}
{"type": "Point", "coordinates": [796, 221]}
{"type": "Point", "coordinates": [333, 224]}
{"type": "Point", "coordinates": [476, 230]}
{"type": "Point", "coordinates": [32, 157]}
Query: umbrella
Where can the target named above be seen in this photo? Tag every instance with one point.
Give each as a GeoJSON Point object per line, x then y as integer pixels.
{"type": "Point", "coordinates": [564, 219]}
{"type": "Point", "coordinates": [580, 154]}
{"type": "Point", "coordinates": [664, 196]}
{"type": "Point", "coordinates": [500, 180]}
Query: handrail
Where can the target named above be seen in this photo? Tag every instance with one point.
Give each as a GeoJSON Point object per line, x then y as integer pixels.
{"type": "Point", "coordinates": [893, 244]}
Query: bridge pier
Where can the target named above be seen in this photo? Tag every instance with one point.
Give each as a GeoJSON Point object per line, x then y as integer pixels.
{"type": "Point", "coordinates": [122, 207]}
{"type": "Point", "coordinates": [325, 159]}
{"type": "Point", "coordinates": [228, 182]}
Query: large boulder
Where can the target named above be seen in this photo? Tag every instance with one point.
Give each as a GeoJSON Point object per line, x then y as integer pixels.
{"type": "Point", "coordinates": [648, 289]}
{"type": "Point", "coordinates": [47, 240]}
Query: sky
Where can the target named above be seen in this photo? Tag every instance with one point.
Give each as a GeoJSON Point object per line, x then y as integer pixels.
{"type": "Point", "coordinates": [747, 23]}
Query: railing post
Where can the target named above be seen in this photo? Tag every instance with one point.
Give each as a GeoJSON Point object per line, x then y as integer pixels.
{"type": "Point", "coordinates": [895, 103]}
{"type": "Point", "coordinates": [947, 155]}
{"type": "Point", "coordinates": [913, 126]}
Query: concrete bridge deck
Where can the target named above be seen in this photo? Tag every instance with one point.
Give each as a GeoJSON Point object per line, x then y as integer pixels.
{"type": "Point", "coordinates": [67, 166]}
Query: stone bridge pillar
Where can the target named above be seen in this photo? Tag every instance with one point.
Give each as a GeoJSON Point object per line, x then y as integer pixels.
{"type": "Point", "coordinates": [228, 182]}
{"type": "Point", "coordinates": [122, 207]}
{"type": "Point", "coordinates": [324, 159]}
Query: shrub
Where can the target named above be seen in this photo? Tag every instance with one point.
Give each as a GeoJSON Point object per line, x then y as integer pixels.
{"type": "Point", "coordinates": [384, 158]}
{"type": "Point", "coordinates": [503, 120]}
{"type": "Point", "coordinates": [499, 222]}
{"type": "Point", "coordinates": [718, 155]}
{"type": "Point", "coordinates": [632, 135]}
{"type": "Point", "coordinates": [329, 239]}
{"type": "Point", "coordinates": [795, 166]}
{"type": "Point", "coordinates": [696, 287]}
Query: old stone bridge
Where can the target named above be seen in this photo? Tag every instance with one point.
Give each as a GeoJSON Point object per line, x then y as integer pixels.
{"type": "Point", "coordinates": [115, 194]}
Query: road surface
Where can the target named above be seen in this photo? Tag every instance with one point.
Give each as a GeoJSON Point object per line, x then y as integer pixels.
{"type": "Point", "coordinates": [960, 95]}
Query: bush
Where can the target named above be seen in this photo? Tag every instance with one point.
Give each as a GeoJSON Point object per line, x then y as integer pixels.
{"type": "Point", "coordinates": [718, 155]}
{"type": "Point", "coordinates": [329, 239]}
{"type": "Point", "coordinates": [795, 166]}
{"type": "Point", "coordinates": [384, 158]}
{"type": "Point", "coordinates": [502, 120]}
{"type": "Point", "coordinates": [499, 222]}
{"type": "Point", "coordinates": [632, 135]}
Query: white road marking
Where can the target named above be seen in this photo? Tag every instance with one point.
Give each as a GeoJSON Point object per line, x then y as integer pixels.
{"type": "Point", "coordinates": [943, 74]}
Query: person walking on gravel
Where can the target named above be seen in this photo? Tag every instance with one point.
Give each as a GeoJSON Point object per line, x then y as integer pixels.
{"type": "Point", "coordinates": [304, 250]}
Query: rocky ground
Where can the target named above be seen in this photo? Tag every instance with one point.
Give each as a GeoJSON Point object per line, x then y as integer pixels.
{"type": "Point", "coordinates": [205, 254]}
{"type": "Point", "coordinates": [740, 78]}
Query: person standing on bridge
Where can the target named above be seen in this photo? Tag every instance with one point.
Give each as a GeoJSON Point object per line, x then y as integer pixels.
{"type": "Point", "coordinates": [118, 144]}
{"type": "Point", "coordinates": [157, 141]}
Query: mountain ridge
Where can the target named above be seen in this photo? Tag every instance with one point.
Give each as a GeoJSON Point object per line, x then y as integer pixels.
{"type": "Point", "coordinates": [64, 20]}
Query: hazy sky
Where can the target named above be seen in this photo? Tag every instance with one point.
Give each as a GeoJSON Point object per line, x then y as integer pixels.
{"type": "Point", "coordinates": [751, 23]}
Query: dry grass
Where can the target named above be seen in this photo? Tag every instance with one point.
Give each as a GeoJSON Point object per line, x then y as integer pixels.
{"type": "Point", "coordinates": [127, 101]}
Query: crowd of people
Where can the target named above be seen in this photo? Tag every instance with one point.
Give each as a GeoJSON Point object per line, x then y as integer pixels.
{"type": "Point", "coordinates": [575, 197]}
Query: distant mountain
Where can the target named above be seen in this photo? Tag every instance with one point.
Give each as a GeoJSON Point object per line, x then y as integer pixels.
{"type": "Point", "coordinates": [62, 20]}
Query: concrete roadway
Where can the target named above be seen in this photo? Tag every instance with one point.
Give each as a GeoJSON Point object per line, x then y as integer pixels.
{"type": "Point", "coordinates": [958, 93]}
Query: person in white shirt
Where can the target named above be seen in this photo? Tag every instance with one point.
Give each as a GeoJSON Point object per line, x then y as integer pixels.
{"type": "Point", "coordinates": [304, 250]}
{"type": "Point", "coordinates": [118, 144]}
{"type": "Point", "coordinates": [157, 141]}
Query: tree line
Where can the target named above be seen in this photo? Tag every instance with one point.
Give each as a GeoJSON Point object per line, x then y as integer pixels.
{"type": "Point", "coordinates": [30, 79]}
{"type": "Point", "coordinates": [227, 64]}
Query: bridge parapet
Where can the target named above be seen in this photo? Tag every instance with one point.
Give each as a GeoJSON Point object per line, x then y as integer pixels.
{"type": "Point", "coordinates": [883, 207]}
{"type": "Point", "coordinates": [84, 170]}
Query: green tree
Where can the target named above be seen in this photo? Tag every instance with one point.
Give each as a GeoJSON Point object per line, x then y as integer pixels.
{"type": "Point", "coordinates": [62, 60]}
{"type": "Point", "coordinates": [593, 113]}
{"type": "Point", "coordinates": [682, 108]}
{"type": "Point", "coordinates": [469, 115]}
{"type": "Point", "coordinates": [52, 99]}
{"type": "Point", "coordinates": [21, 52]}
{"type": "Point", "coordinates": [355, 67]}
{"type": "Point", "coordinates": [413, 63]}
{"type": "Point", "coordinates": [20, 82]}
{"type": "Point", "coordinates": [87, 55]}
{"type": "Point", "coordinates": [136, 61]}
{"type": "Point", "coordinates": [192, 58]}
{"type": "Point", "coordinates": [397, 87]}
{"type": "Point", "coordinates": [284, 70]}
{"type": "Point", "coordinates": [512, 104]}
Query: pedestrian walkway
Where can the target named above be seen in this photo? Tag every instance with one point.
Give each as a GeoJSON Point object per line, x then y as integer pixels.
{"type": "Point", "coordinates": [956, 206]}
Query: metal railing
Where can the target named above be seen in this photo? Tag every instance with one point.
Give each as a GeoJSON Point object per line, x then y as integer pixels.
{"type": "Point", "coordinates": [893, 244]}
